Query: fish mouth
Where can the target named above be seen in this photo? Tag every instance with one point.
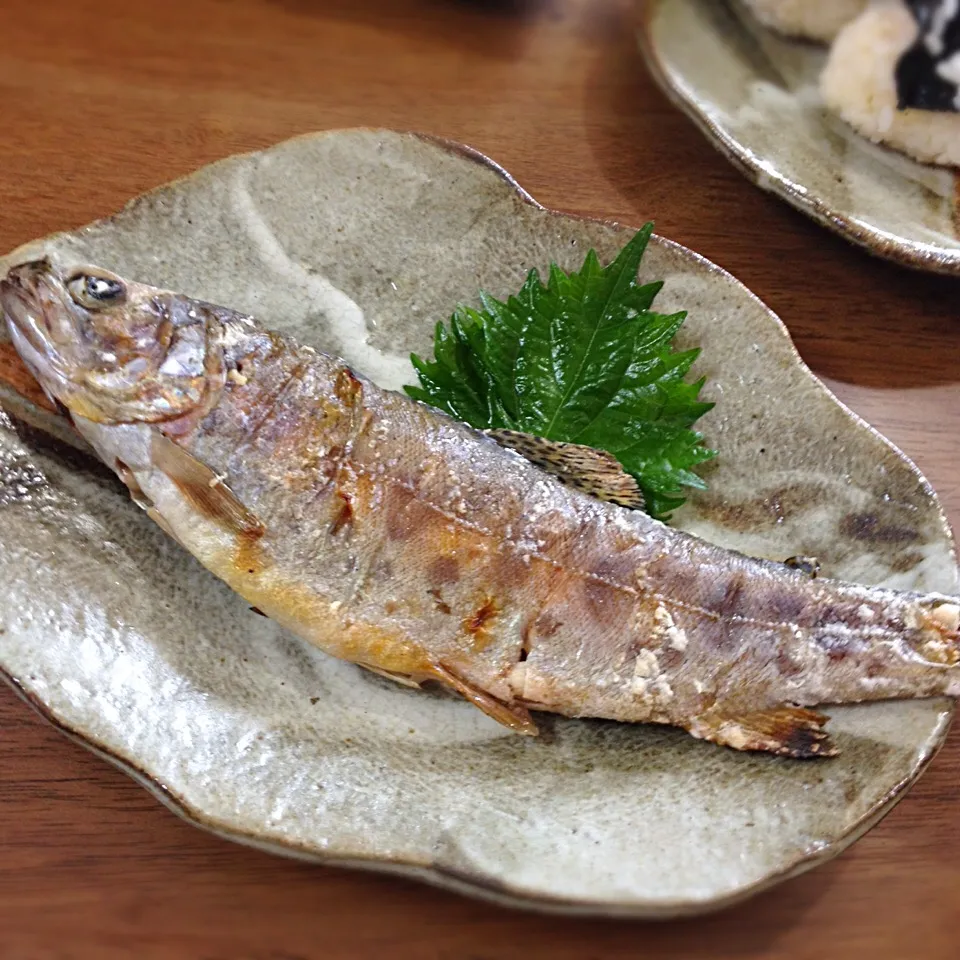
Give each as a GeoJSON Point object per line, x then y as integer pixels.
{"type": "Point", "coordinates": [28, 293]}
{"type": "Point", "coordinates": [22, 299]}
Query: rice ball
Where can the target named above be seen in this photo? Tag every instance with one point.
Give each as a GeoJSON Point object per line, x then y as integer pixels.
{"type": "Point", "coordinates": [811, 19]}
{"type": "Point", "coordinates": [860, 80]}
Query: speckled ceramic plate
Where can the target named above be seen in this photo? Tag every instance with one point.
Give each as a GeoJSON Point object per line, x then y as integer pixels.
{"type": "Point", "coordinates": [358, 242]}
{"type": "Point", "coordinates": [755, 96]}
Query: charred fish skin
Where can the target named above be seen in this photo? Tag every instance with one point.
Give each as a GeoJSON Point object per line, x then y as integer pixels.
{"type": "Point", "coordinates": [389, 535]}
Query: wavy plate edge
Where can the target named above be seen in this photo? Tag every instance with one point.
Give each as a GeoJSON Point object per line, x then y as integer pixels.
{"type": "Point", "coordinates": [486, 889]}
{"type": "Point", "coordinates": [479, 886]}
{"type": "Point", "coordinates": [915, 256]}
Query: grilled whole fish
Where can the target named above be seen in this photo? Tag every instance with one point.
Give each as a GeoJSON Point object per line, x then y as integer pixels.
{"type": "Point", "coordinates": [389, 535]}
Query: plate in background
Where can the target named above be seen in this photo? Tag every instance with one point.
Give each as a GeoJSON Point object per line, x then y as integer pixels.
{"type": "Point", "coordinates": [755, 96]}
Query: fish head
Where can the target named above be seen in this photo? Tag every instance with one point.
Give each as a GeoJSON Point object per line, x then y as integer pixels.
{"type": "Point", "coordinates": [109, 350]}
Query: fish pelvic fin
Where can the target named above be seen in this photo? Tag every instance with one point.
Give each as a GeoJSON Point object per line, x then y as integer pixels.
{"type": "Point", "coordinates": [202, 488]}
{"type": "Point", "coordinates": [595, 472]}
{"type": "Point", "coordinates": [786, 731]}
{"type": "Point", "coordinates": [515, 717]}
{"type": "Point", "coordinates": [401, 678]}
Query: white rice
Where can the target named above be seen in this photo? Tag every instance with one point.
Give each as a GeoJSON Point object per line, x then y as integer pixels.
{"type": "Point", "coordinates": [812, 19]}
{"type": "Point", "coordinates": [858, 83]}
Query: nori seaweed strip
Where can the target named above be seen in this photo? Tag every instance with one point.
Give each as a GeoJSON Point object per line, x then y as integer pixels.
{"type": "Point", "coordinates": [920, 86]}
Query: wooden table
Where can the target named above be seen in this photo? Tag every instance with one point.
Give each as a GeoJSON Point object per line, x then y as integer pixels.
{"type": "Point", "coordinates": [102, 99]}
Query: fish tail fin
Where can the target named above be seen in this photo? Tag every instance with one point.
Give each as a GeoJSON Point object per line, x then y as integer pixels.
{"type": "Point", "coordinates": [878, 644]}
{"type": "Point", "coordinates": [926, 660]}
{"type": "Point", "coordinates": [787, 731]}
{"type": "Point", "coordinates": [943, 620]}
{"type": "Point", "coordinates": [941, 626]}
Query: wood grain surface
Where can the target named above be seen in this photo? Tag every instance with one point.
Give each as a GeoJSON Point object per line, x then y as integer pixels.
{"type": "Point", "coordinates": [103, 99]}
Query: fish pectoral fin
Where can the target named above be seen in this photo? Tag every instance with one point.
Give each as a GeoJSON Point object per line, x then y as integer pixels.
{"type": "Point", "coordinates": [133, 486]}
{"type": "Point", "coordinates": [591, 471]}
{"type": "Point", "coordinates": [515, 717]}
{"type": "Point", "coordinates": [403, 679]}
{"type": "Point", "coordinates": [157, 518]}
{"type": "Point", "coordinates": [202, 488]}
{"type": "Point", "coordinates": [786, 731]}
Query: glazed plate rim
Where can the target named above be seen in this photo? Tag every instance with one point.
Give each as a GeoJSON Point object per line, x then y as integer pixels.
{"type": "Point", "coordinates": [913, 254]}
{"type": "Point", "coordinates": [478, 885]}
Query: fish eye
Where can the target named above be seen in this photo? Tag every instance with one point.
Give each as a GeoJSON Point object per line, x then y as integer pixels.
{"type": "Point", "coordinates": [96, 290]}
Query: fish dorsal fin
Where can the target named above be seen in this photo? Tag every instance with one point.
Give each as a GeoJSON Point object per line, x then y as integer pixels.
{"type": "Point", "coordinates": [512, 716]}
{"type": "Point", "coordinates": [786, 730]}
{"type": "Point", "coordinates": [202, 488]}
{"type": "Point", "coordinates": [591, 471]}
